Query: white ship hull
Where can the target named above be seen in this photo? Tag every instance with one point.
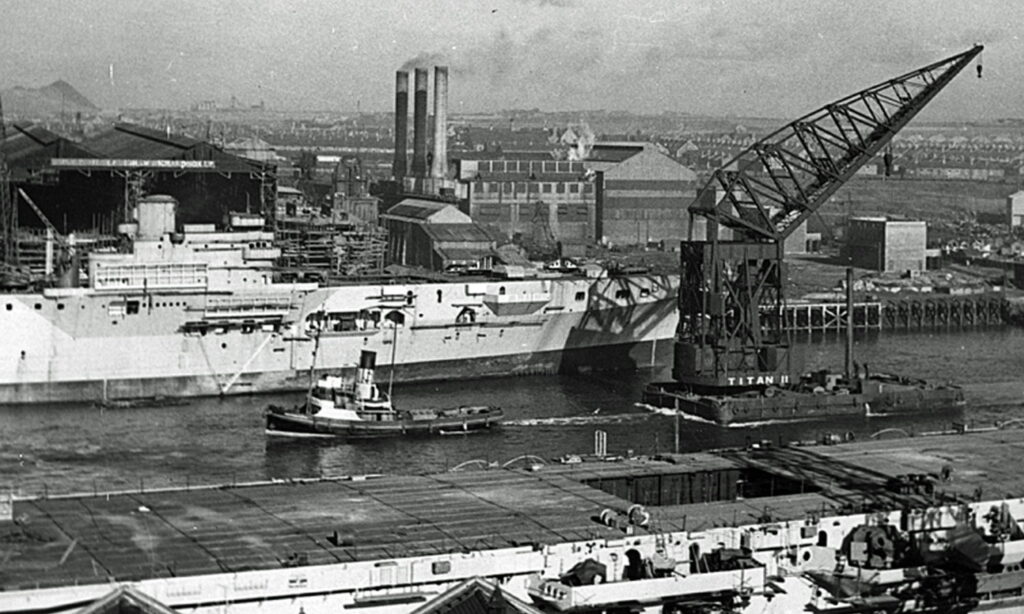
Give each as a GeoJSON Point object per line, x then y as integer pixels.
{"type": "Point", "coordinates": [93, 345]}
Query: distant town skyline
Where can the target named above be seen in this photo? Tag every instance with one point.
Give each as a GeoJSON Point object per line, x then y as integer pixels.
{"type": "Point", "coordinates": [777, 58]}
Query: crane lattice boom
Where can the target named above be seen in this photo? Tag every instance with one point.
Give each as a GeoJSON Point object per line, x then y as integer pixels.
{"type": "Point", "coordinates": [774, 185]}
{"type": "Point", "coordinates": [731, 297]}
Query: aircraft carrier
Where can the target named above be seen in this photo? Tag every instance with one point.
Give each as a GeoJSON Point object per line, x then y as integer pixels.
{"type": "Point", "coordinates": [201, 313]}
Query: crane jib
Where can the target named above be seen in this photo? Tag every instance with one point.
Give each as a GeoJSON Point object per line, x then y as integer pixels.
{"type": "Point", "coordinates": [775, 184]}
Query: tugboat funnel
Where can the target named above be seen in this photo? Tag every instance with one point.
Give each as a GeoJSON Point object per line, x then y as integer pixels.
{"type": "Point", "coordinates": [364, 376]}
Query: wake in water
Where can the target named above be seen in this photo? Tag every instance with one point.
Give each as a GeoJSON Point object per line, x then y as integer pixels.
{"type": "Point", "coordinates": [579, 420]}
{"type": "Point", "coordinates": [667, 411]}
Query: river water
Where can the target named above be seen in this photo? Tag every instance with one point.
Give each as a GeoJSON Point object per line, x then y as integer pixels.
{"type": "Point", "coordinates": [69, 448]}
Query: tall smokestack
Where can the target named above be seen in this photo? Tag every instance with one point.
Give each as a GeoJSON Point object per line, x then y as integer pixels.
{"type": "Point", "coordinates": [439, 168]}
{"type": "Point", "coordinates": [419, 125]}
{"type": "Point", "coordinates": [401, 124]}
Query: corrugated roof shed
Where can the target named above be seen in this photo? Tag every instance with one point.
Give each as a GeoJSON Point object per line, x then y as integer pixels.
{"type": "Point", "coordinates": [413, 211]}
{"type": "Point", "coordinates": [28, 144]}
{"type": "Point", "coordinates": [416, 208]}
{"type": "Point", "coordinates": [457, 233]}
{"type": "Point", "coordinates": [455, 254]}
{"type": "Point", "coordinates": [128, 141]}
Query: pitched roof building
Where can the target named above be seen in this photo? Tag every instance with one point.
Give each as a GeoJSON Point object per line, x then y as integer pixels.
{"type": "Point", "coordinates": [435, 236]}
{"type": "Point", "coordinates": [642, 194]}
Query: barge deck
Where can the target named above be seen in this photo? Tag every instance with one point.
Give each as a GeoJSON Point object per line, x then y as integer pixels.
{"type": "Point", "coordinates": [133, 535]}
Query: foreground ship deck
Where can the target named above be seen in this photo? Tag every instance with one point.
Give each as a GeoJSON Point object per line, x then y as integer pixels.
{"type": "Point", "coordinates": [176, 542]}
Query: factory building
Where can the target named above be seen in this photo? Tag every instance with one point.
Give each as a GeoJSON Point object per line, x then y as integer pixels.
{"type": "Point", "coordinates": [1015, 209]}
{"type": "Point", "coordinates": [436, 236]}
{"type": "Point", "coordinates": [532, 195]}
{"type": "Point", "coordinates": [94, 185]}
{"type": "Point", "coordinates": [642, 194]}
{"type": "Point", "coordinates": [885, 244]}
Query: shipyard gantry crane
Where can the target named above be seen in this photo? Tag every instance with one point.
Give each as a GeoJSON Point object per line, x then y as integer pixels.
{"type": "Point", "coordinates": [731, 335]}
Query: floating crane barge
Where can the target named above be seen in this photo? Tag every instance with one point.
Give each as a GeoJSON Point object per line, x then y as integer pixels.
{"type": "Point", "coordinates": [734, 362]}
{"type": "Point", "coordinates": [385, 541]}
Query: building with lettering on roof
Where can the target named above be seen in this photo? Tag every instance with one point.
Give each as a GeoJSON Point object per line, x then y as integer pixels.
{"type": "Point", "coordinates": [94, 184]}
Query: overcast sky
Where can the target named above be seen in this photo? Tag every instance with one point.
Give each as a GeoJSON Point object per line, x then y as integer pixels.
{"type": "Point", "coordinates": [777, 58]}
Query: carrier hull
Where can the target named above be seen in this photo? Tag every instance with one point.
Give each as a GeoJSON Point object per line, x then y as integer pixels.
{"type": "Point", "coordinates": [618, 357]}
{"type": "Point", "coordinates": [75, 348]}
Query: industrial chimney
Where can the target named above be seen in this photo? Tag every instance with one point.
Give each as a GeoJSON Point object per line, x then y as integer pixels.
{"type": "Point", "coordinates": [400, 166]}
{"type": "Point", "coordinates": [419, 125]}
{"type": "Point", "coordinates": [439, 168]}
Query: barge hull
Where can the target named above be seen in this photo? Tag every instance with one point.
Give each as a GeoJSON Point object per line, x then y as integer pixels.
{"type": "Point", "coordinates": [793, 407]}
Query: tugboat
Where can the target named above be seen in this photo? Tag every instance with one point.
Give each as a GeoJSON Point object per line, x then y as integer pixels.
{"type": "Point", "coordinates": [341, 408]}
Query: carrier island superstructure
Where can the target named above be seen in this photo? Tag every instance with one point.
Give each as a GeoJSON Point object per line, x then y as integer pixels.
{"type": "Point", "coordinates": [200, 313]}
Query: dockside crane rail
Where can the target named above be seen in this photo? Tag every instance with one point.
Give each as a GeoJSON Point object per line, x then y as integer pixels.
{"type": "Point", "coordinates": [773, 186]}
{"type": "Point", "coordinates": [731, 332]}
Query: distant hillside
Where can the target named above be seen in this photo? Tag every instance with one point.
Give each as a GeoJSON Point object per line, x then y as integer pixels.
{"type": "Point", "coordinates": [48, 100]}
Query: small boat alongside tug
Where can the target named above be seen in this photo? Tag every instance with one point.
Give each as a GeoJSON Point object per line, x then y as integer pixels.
{"type": "Point", "coordinates": [339, 408]}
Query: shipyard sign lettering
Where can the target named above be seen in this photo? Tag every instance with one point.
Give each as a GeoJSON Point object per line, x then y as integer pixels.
{"type": "Point", "coordinates": [758, 380]}
{"type": "Point", "coordinates": [130, 163]}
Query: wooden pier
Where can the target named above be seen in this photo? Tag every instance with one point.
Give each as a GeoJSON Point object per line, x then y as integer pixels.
{"type": "Point", "coordinates": [944, 311]}
{"type": "Point", "coordinates": [825, 317]}
{"type": "Point", "coordinates": [905, 313]}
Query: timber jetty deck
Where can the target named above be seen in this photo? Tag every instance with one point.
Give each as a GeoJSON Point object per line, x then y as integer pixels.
{"type": "Point", "coordinates": [84, 539]}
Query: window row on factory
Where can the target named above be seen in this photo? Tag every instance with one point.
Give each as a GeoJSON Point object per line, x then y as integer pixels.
{"type": "Point", "coordinates": [660, 213]}
{"type": "Point", "coordinates": [529, 166]}
{"type": "Point", "coordinates": [534, 187]}
{"type": "Point", "coordinates": [491, 212]}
